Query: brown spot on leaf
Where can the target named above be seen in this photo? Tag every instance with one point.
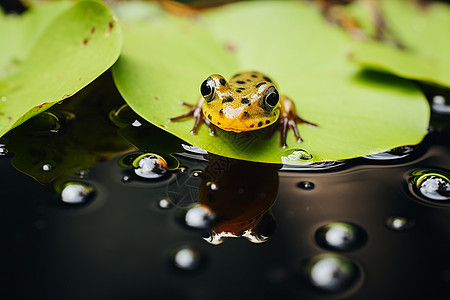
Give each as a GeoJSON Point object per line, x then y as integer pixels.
{"type": "Point", "coordinates": [92, 30]}
{"type": "Point", "coordinates": [110, 28]}
{"type": "Point", "coordinates": [156, 98]}
{"type": "Point", "coordinates": [85, 42]}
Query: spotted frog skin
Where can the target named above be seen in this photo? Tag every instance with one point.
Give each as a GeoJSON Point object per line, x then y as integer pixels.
{"type": "Point", "coordinates": [248, 101]}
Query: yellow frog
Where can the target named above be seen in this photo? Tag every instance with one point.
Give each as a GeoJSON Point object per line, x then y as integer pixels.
{"type": "Point", "coordinates": [248, 101]}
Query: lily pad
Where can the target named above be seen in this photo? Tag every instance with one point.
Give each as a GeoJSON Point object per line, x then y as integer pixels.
{"type": "Point", "coordinates": [52, 53]}
{"type": "Point", "coordinates": [165, 58]}
{"type": "Point", "coordinates": [423, 30]}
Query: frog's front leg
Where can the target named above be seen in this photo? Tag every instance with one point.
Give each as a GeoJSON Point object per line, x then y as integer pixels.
{"type": "Point", "coordinates": [289, 119]}
{"type": "Point", "coordinates": [196, 112]}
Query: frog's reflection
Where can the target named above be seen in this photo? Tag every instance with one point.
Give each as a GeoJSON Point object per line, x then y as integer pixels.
{"type": "Point", "coordinates": [237, 196]}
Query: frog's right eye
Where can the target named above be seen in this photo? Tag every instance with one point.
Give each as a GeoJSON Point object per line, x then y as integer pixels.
{"type": "Point", "coordinates": [207, 89]}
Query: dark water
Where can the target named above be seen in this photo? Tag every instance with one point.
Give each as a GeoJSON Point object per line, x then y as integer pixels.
{"type": "Point", "coordinates": [120, 241]}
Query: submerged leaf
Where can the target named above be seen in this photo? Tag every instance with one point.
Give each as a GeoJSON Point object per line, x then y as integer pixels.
{"type": "Point", "coordinates": [71, 136]}
{"type": "Point", "coordinates": [165, 59]}
{"type": "Point", "coordinates": [424, 32]}
{"type": "Point", "coordinates": [52, 53]}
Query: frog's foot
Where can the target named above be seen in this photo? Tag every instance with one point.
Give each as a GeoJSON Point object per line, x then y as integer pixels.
{"type": "Point", "coordinates": [290, 121]}
{"type": "Point", "coordinates": [196, 113]}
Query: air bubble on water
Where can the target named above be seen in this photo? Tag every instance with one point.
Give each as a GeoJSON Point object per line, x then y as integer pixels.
{"type": "Point", "coordinates": [182, 170]}
{"type": "Point", "coordinates": [126, 178]}
{"type": "Point", "coordinates": [212, 186]}
{"type": "Point", "coordinates": [150, 166]}
{"type": "Point", "coordinates": [3, 150]}
{"type": "Point", "coordinates": [165, 203]}
{"type": "Point", "coordinates": [432, 184]}
{"type": "Point", "coordinates": [396, 153]}
{"type": "Point", "coordinates": [399, 223]}
{"type": "Point", "coordinates": [439, 105]}
{"type": "Point", "coordinates": [305, 185]}
{"type": "Point", "coordinates": [197, 173]}
{"type": "Point", "coordinates": [188, 258]}
{"type": "Point", "coordinates": [82, 173]}
{"type": "Point", "coordinates": [197, 216]}
{"type": "Point", "coordinates": [331, 273]}
{"type": "Point", "coordinates": [76, 193]}
{"type": "Point", "coordinates": [296, 156]}
{"type": "Point", "coordinates": [136, 123]}
{"type": "Point", "coordinates": [47, 167]}
{"type": "Point", "coordinates": [340, 236]}
{"type": "Point", "coordinates": [194, 149]}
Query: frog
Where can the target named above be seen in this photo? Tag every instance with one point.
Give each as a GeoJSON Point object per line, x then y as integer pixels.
{"type": "Point", "coordinates": [247, 101]}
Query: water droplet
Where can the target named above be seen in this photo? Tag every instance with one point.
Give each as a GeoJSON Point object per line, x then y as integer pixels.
{"type": "Point", "coordinates": [340, 236]}
{"type": "Point", "coordinates": [332, 273]}
{"type": "Point", "coordinates": [439, 105]}
{"type": "Point", "coordinates": [165, 203]}
{"type": "Point", "coordinates": [82, 173]}
{"type": "Point", "coordinates": [126, 178]}
{"type": "Point", "coordinates": [296, 156]}
{"type": "Point", "coordinates": [197, 173]}
{"type": "Point", "coordinates": [76, 193]}
{"type": "Point", "coordinates": [3, 150]}
{"type": "Point", "coordinates": [212, 186]}
{"type": "Point", "coordinates": [433, 185]}
{"type": "Point", "coordinates": [47, 167]}
{"type": "Point", "coordinates": [150, 166]}
{"type": "Point", "coordinates": [182, 170]}
{"type": "Point", "coordinates": [396, 153]}
{"type": "Point", "coordinates": [188, 258]}
{"type": "Point", "coordinates": [4, 98]}
{"type": "Point", "coordinates": [136, 123]}
{"type": "Point", "coordinates": [194, 149]}
{"type": "Point", "coordinates": [196, 216]}
{"type": "Point", "coordinates": [399, 223]}
{"type": "Point", "coordinates": [306, 185]}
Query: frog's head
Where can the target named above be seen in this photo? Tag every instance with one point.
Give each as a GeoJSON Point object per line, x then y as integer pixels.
{"type": "Point", "coordinates": [248, 102]}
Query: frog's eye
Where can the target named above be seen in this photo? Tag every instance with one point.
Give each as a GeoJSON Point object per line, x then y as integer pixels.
{"type": "Point", "coordinates": [207, 89]}
{"type": "Point", "coordinates": [270, 98]}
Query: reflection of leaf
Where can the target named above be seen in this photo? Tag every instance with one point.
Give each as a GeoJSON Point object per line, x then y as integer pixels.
{"type": "Point", "coordinates": [53, 55]}
{"type": "Point", "coordinates": [83, 136]}
{"type": "Point", "coordinates": [424, 32]}
{"type": "Point", "coordinates": [165, 58]}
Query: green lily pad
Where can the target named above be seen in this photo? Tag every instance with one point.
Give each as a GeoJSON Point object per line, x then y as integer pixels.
{"type": "Point", "coordinates": [165, 59]}
{"type": "Point", "coordinates": [52, 53]}
{"type": "Point", "coordinates": [424, 31]}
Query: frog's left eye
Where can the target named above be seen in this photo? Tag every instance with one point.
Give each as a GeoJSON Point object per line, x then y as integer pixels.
{"type": "Point", "coordinates": [207, 89]}
{"type": "Point", "coordinates": [270, 98]}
